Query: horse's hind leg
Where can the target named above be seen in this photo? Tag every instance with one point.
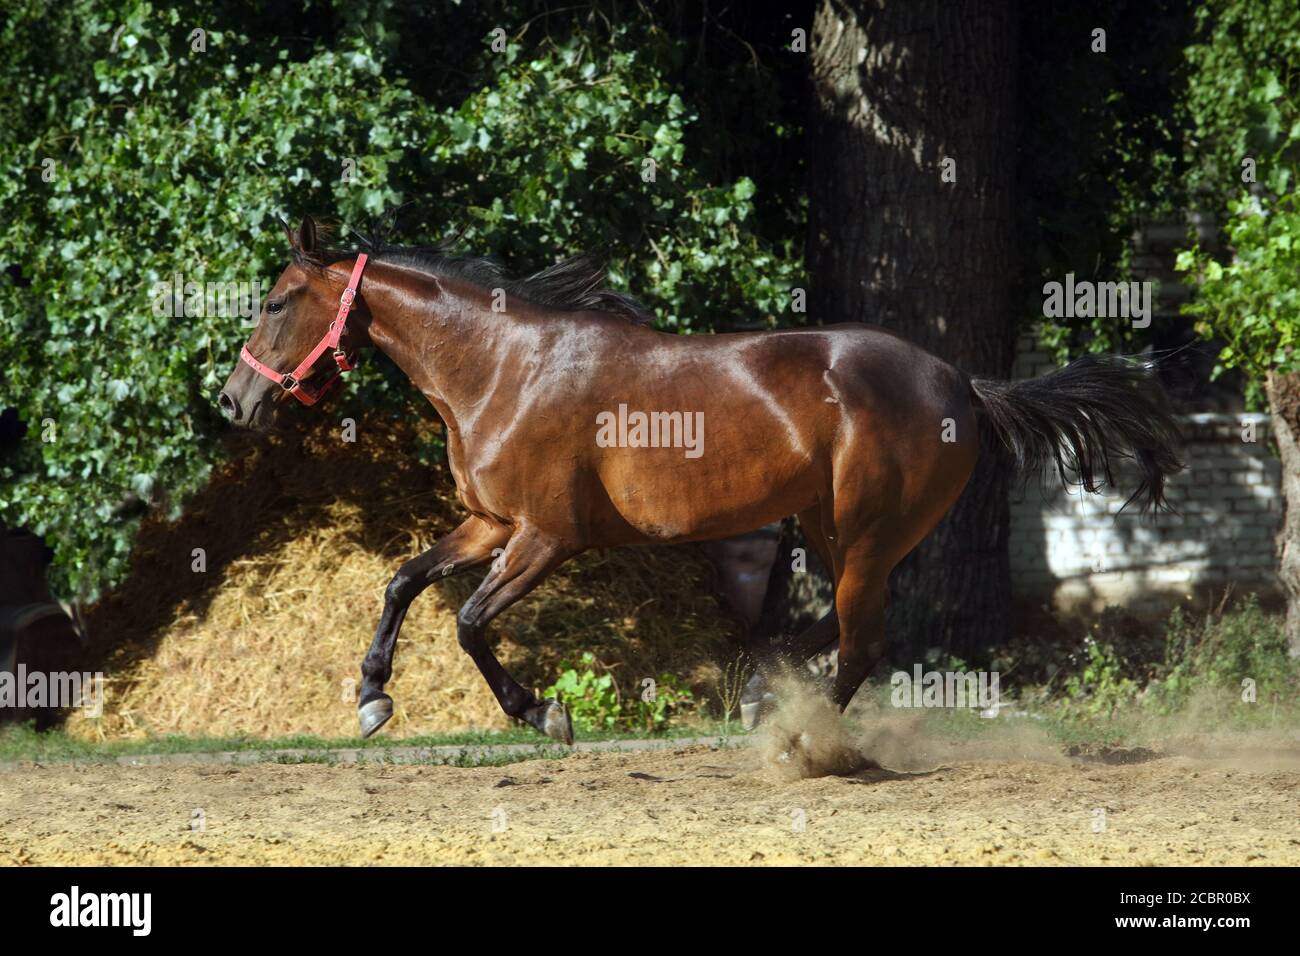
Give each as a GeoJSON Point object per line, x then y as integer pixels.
{"type": "Point", "coordinates": [526, 561]}
{"type": "Point", "coordinates": [860, 598]}
{"type": "Point", "coordinates": [758, 698]}
{"type": "Point", "coordinates": [468, 546]}
{"type": "Point", "coordinates": [821, 633]}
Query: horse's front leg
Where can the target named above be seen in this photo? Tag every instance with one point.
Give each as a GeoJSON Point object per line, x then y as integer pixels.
{"type": "Point", "coordinates": [526, 561]}
{"type": "Point", "coordinates": [470, 545]}
{"type": "Point", "coordinates": [789, 657]}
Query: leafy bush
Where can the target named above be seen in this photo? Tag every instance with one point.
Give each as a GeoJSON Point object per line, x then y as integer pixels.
{"type": "Point", "coordinates": [591, 698]}
{"type": "Point", "coordinates": [595, 704]}
{"type": "Point", "coordinates": [1242, 95]}
{"type": "Point", "coordinates": [1202, 662]}
{"type": "Point", "coordinates": [1100, 686]}
{"type": "Point", "coordinates": [671, 699]}
{"type": "Point", "coordinates": [1252, 301]}
{"type": "Point", "coordinates": [1244, 100]}
{"type": "Point", "coordinates": [1218, 652]}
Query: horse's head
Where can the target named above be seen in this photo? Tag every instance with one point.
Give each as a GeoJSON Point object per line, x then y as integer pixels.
{"type": "Point", "coordinates": [295, 317]}
{"type": "Point", "coordinates": [23, 560]}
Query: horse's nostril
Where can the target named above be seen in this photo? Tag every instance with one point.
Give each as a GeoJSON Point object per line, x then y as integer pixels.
{"type": "Point", "coordinates": [229, 407]}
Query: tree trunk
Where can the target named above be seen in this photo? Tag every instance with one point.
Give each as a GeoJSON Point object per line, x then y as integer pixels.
{"type": "Point", "coordinates": [902, 87]}
{"type": "Point", "coordinates": [1284, 403]}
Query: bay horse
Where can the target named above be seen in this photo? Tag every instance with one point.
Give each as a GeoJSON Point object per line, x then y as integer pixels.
{"type": "Point", "coordinates": [572, 424]}
{"type": "Point", "coordinates": [33, 624]}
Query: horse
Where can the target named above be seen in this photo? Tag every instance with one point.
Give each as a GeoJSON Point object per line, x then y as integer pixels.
{"type": "Point", "coordinates": [31, 620]}
{"type": "Point", "coordinates": [572, 424]}
{"type": "Point", "coordinates": [26, 606]}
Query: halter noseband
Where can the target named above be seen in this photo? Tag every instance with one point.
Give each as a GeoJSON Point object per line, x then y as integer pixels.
{"type": "Point", "coordinates": [292, 382]}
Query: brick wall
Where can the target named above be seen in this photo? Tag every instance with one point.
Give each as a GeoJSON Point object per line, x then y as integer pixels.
{"type": "Point", "coordinates": [1079, 552]}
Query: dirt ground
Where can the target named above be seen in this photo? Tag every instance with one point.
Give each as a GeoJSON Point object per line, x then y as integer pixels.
{"type": "Point", "coordinates": [690, 806]}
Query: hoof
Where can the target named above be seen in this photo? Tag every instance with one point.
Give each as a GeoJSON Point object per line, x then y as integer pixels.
{"type": "Point", "coordinates": [752, 712]}
{"type": "Point", "coordinates": [374, 714]}
{"type": "Point", "coordinates": [756, 701]}
{"type": "Point", "coordinates": [552, 718]}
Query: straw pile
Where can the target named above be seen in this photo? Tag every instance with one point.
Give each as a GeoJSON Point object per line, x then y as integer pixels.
{"type": "Point", "coordinates": [301, 537]}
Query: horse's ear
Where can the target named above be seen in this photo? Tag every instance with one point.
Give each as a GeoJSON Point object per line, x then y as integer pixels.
{"type": "Point", "coordinates": [305, 241]}
{"type": "Point", "coordinates": [288, 232]}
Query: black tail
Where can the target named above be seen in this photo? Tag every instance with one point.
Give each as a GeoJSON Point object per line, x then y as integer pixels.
{"type": "Point", "coordinates": [1081, 415]}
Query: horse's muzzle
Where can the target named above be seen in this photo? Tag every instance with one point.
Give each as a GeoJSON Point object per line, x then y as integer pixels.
{"type": "Point", "coordinates": [229, 407]}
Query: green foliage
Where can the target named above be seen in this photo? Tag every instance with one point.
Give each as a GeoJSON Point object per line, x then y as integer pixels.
{"type": "Point", "coordinates": [1100, 686]}
{"type": "Point", "coordinates": [1201, 664]}
{"type": "Point", "coordinates": [1244, 100]}
{"type": "Point", "coordinates": [591, 698]}
{"type": "Point", "coordinates": [1101, 150]}
{"type": "Point", "coordinates": [595, 704]}
{"type": "Point", "coordinates": [1252, 300]}
{"type": "Point", "coordinates": [1241, 95]}
{"type": "Point", "coordinates": [611, 122]}
{"type": "Point", "coordinates": [671, 698]}
{"type": "Point", "coordinates": [1219, 651]}
{"type": "Point", "coordinates": [167, 160]}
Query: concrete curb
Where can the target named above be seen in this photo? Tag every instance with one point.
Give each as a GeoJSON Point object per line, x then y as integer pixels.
{"type": "Point", "coordinates": [380, 755]}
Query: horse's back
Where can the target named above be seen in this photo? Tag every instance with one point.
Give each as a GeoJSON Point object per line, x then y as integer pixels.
{"type": "Point", "coordinates": [875, 367]}
{"type": "Point", "coordinates": [779, 413]}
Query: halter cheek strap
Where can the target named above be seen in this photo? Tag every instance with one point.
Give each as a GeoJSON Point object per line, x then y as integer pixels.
{"type": "Point", "coordinates": [292, 381]}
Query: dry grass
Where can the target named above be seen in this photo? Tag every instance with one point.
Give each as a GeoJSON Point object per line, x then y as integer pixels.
{"type": "Point", "coordinates": [301, 538]}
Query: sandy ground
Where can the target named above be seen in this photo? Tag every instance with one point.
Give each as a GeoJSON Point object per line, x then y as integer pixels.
{"type": "Point", "coordinates": [690, 806]}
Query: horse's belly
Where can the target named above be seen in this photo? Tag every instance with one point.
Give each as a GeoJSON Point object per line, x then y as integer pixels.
{"type": "Point", "coordinates": [665, 500]}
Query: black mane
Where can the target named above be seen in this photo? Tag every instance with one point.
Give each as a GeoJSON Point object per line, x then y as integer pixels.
{"type": "Point", "coordinates": [574, 284]}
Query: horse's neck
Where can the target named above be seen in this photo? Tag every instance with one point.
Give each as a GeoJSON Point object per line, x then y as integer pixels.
{"type": "Point", "coordinates": [449, 343]}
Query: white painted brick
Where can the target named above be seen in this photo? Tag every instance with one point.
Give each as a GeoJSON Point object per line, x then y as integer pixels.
{"type": "Point", "coordinates": [1229, 501]}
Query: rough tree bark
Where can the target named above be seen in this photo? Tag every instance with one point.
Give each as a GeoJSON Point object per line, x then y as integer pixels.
{"type": "Point", "coordinates": [901, 86]}
{"type": "Point", "coordinates": [1284, 403]}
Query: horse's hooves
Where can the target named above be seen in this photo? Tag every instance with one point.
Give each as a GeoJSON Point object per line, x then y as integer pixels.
{"type": "Point", "coordinates": [752, 712]}
{"type": "Point", "coordinates": [374, 714]}
{"type": "Point", "coordinates": [552, 718]}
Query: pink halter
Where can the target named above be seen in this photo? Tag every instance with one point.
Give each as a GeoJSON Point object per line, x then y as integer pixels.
{"type": "Point", "coordinates": [292, 382]}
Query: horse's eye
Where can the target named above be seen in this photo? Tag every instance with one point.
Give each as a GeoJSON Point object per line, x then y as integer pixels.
{"type": "Point", "coordinates": [274, 308]}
